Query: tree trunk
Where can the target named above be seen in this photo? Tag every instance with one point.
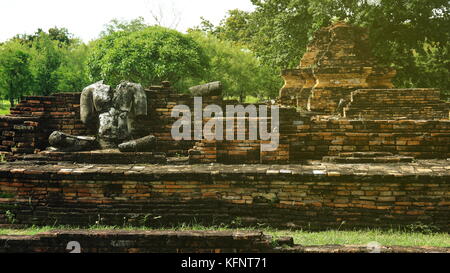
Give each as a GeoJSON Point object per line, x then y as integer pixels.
{"type": "Point", "coordinates": [11, 101]}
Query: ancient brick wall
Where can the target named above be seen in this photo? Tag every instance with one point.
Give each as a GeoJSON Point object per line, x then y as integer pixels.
{"type": "Point", "coordinates": [27, 128]}
{"type": "Point", "coordinates": [244, 150]}
{"type": "Point", "coordinates": [397, 104]}
{"type": "Point", "coordinates": [290, 196]}
{"type": "Point", "coordinates": [61, 112]}
{"type": "Point", "coordinates": [416, 138]}
{"type": "Point", "coordinates": [159, 120]}
{"type": "Point", "coordinates": [304, 139]}
{"type": "Point", "coordinates": [18, 134]}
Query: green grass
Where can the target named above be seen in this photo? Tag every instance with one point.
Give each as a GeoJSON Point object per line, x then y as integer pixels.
{"type": "Point", "coordinates": [363, 237]}
{"type": "Point", "coordinates": [248, 99]}
{"type": "Point", "coordinates": [27, 231]}
{"type": "Point", "coordinates": [332, 237]}
{"type": "Point", "coordinates": [4, 107]}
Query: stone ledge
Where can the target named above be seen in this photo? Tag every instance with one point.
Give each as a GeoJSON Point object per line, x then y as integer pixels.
{"type": "Point", "coordinates": [315, 168]}
{"type": "Point", "coordinates": [162, 241]}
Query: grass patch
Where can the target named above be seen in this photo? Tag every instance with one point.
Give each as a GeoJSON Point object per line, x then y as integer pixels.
{"type": "Point", "coordinates": [28, 231]}
{"type": "Point", "coordinates": [363, 237]}
{"type": "Point", "coordinates": [331, 237]}
{"type": "Point", "coordinates": [4, 107]}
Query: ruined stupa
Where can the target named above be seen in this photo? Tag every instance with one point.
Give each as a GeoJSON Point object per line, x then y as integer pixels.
{"type": "Point", "coordinates": [337, 61]}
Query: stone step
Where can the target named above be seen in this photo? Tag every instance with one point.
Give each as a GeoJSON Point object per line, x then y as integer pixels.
{"type": "Point", "coordinates": [184, 160]}
{"type": "Point", "coordinates": [357, 160]}
{"type": "Point", "coordinates": [365, 154]}
{"type": "Point", "coordinates": [112, 156]}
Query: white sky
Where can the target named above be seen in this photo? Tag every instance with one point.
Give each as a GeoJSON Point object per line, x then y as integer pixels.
{"type": "Point", "coordinates": [86, 18]}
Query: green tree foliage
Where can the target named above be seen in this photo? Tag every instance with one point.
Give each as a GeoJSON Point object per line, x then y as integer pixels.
{"type": "Point", "coordinates": [240, 71]}
{"type": "Point", "coordinates": [59, 35]}
{"type": "Point", "coordinates": [116, 25]}
{"type": "Point", "coordinates": [72, 74]}
{"type": "Point", "coordinates": [47, 58]}
{"type": "Point", "coordinates": [235, 27]}
{"type": "Point", "coordinates": [434, 68]}
{"type": "Point", "coordinates": [15, 73]}
{"type": "Point", "coordinates": [410, 35]}
{"type": "Point", "coordinates": [148, 56]}
{"type": "Point", "coordinates": [57, 60]}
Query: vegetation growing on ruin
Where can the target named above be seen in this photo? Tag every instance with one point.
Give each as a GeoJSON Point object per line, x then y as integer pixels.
{"type": "Point", "coordinates": [4, 107]}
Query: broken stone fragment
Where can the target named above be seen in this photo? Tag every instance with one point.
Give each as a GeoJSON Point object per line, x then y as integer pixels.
{"type": "Point", "coordinates": [130, 97]}
{"type": "Point", "coordinates": [96, 98]}
{"type": "Point", "coordinates": [145, 144]}
{"type": "Point", "coordinates": [102, 97]}
{"type": "Point", "coordinates": [69, 143]}
{"type": "Point", "coordinates": [208, 89]}
{"type": "Point", "coordinates": [113, 125]}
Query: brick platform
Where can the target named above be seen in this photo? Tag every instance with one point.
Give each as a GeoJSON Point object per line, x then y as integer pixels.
{"type": "Point", "coordinates": [317, 196]}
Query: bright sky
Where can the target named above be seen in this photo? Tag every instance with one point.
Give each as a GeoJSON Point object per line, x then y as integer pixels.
{"type": "Point", "coordinates": [86, 18]}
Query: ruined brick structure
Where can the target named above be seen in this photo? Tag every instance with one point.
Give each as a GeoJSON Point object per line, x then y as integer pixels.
{"type": "Point", "coordinates": [26, 129]}
{"type": "Point", "coordinates": [339, 107]}
{"type": "Point", "coordinates": [339, 62]}
{"type": "Point", "coordinates": [340, 104]}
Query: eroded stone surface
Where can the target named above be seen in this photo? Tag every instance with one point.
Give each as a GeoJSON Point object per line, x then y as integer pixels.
{"type": "Point", "coordinates": [208, 89]}
{"type": "Point", "coordinates": [145, 144]}
{"type": "Point", "coordinates": [68, 143]}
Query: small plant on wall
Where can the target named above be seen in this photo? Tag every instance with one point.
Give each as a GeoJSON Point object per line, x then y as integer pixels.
{"type": "Point", "coordinates": [10, 216]}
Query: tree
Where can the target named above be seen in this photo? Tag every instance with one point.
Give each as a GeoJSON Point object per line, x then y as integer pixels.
{"type": "Point", "coordinates": [15, 75]}
{"type": "Point", "coordinates": [72, 74]}
{"type": "Point", "coordinates": [147, 56]}
{"type": "Point", "coordinates": [116, 25]}
{"type": "Point", "coordinates": [47, 58]}
{"type": "Point", "coordinates": [60, 35]}
{"type": "Point", "coordinates": [241, 73]}
{"type": "Point", "coordinates": [236, 27]}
